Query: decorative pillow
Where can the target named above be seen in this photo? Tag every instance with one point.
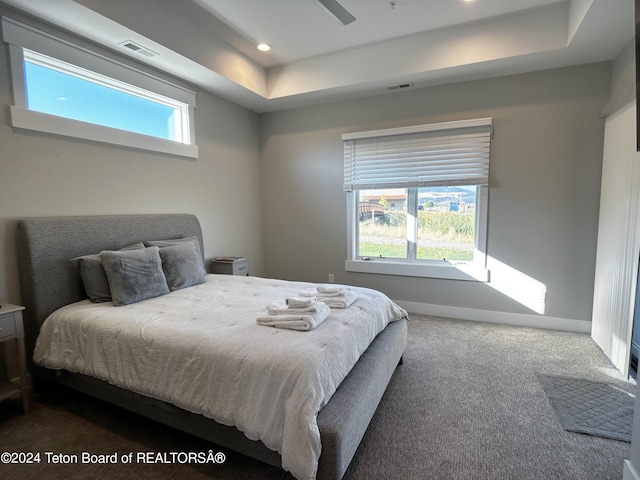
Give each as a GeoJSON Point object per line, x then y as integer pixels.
{"type": "Point", "coordinates": [93, 277]}
{"type": "Point", "coordinates": [182, 265]}
{"type": "Point", "coordinates": [173, 241]}
{"type": "Point", "coordinates": [134, 275]}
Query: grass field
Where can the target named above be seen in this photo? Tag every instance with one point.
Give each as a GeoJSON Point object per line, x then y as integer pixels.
{"type": "Point", "coordinates": [368, 249]}
{"type": "Point", "coordinates": [441, 235]}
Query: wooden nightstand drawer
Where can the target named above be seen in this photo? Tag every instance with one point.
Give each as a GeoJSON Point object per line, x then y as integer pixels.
{"type": "Point", "coordinates": [7, 326]}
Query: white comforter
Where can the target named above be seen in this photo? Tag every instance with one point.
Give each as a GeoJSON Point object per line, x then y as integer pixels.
{"type": "Point", "coordinates": [201, 349]}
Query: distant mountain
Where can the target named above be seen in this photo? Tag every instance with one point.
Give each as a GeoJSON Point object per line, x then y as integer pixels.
{"type": "Point", "coordinates": [446, 195]}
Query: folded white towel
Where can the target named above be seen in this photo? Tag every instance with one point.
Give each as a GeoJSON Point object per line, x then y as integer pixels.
{"type": "Point", "coordinates": [314, 292]}
{"type": "Point", "coordinates": [296, 322]}
{"type": "Point", "coordinates": [340, 301]}
{"type": "Point", "coordinates": [300, 302]}
{"type": "Point", "coordinates": [281, 308]}
{"type": "Point", "coordinates": [332, 288]}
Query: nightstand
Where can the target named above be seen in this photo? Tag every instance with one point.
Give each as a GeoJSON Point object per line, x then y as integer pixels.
{"type": "Point", "coordinates": [231, 265]}
{"type": "Point", "coordinates": [11, 329]}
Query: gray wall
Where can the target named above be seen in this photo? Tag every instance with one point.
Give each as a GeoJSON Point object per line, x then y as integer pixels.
{"type": "Point", "coordinates": [272, 184]}
{"type": "Point", "coordinates": [623, 77]}
{"type": "Point", "coordinates": [48, 175]}
{"type": "Point", "coordinates": [544, 188]}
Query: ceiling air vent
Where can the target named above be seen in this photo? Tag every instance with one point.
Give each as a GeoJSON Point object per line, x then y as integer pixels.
{"type": "Point", "coordinates": [135, 47]}
{"type": "Point", "coordinates": [402, 86]}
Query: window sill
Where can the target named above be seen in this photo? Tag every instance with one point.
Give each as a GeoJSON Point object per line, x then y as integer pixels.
{"type": "Point", "coordinates": [53, 124]}
{"type": "Point", "coordinates": [444, 270]}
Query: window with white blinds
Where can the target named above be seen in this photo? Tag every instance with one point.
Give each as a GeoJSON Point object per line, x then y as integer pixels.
{"type": "Point", "coordinates": [440, 154]}
{"type": "Point", "coordinates": [418, 199]}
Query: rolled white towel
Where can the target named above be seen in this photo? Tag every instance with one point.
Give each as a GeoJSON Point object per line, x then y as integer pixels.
{"type": "Point", "coordinates": [300, 302]}
{"type": "Point", "coordinates": [296, 322]}
{"type": "Point", "coordinates": [340, 301]}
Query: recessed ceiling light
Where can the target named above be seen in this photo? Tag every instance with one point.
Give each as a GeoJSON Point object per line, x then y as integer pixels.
{"type": "Point", "coordinates": [264, 47]}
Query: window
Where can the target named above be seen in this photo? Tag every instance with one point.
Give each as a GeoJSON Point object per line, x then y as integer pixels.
{"type": "Point", "coordinates": [445, 221]}
{"type": "Point", "coordinates": [417, 200]}
{"type": "Point", "coordinates": [61, 89]}
{"type": "Point", "coordinates": [64, 89]}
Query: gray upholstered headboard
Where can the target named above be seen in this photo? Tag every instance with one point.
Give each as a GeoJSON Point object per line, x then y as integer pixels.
{"type": "Point", "coordinates": [48, 280]}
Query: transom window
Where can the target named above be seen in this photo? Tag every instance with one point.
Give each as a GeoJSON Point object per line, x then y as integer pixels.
{"type": "Point", "coordinates": [65, 89]}
{"type": "Point", "coordinates": [59, 88]}
{"type": "Point", "coordinates": [418, 200]}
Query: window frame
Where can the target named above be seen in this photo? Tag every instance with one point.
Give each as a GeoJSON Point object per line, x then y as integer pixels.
{"type": "Point", "coordinates": [475, 270]}
{"type": "Point", "coordinates": [413, 267]}
{"type": "Point", "coordinates": [20, 37]}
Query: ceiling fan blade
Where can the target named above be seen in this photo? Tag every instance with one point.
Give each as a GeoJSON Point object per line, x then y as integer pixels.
{"type": "Point", "coordinates": [337, 10]}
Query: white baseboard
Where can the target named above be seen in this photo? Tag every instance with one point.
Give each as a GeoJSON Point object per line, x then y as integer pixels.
{"type": "Point", "coordinates": [629, 473]}
{"type": "Point", "coordinates": [505, 318]}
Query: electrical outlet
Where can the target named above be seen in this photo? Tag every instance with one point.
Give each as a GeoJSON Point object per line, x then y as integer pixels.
{"type": "Point", "coordinates": [331, 279]}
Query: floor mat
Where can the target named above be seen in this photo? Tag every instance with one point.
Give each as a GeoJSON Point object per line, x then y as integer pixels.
{"type": "Point", "coordinates": [594, 408]}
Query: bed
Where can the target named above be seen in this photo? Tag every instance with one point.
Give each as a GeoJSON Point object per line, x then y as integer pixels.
{"type": "Point", "coordinates": [50, 283]}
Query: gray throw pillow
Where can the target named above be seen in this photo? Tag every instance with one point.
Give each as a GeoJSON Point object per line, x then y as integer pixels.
{"type": "Point", "coordinates": [171, 242]}
{"type": "Point", "coordinates": [134, 275]}
{"type": "Point", "coordinates": [94, 280]}
{"type": "Point", "coordinates": [182, 265]}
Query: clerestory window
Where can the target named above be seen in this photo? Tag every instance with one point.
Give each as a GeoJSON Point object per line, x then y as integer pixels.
{"type": "Point", "coordinates": [64, 89]}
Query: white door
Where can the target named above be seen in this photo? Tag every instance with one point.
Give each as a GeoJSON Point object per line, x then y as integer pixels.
{"type": "Point", "coordinates": [618, 239]}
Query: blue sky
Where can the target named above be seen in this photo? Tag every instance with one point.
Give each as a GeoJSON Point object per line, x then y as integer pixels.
{"type": "Point", "coordinates": [57, 93]}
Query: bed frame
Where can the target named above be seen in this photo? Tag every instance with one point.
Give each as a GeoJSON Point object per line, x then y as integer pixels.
{"type": "Point", "coordinates": [48, 281]}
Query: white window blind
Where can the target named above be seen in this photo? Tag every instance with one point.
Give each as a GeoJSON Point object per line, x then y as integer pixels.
{"type": "Point", "coordinates": [438, 154]}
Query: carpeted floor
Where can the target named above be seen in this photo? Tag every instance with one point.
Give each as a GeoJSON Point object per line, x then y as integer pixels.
{"type": "Point", "coordinates": [466, 404]}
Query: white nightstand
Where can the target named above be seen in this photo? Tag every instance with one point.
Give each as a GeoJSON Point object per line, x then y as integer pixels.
{"type": "Point", "coordinates": [231, 266]}
{"type": "Point", "coordinates": [12, 329]}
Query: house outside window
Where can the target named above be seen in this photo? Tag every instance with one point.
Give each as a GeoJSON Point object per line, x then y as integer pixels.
{"type": "Point", "coordinates": [418, 199]}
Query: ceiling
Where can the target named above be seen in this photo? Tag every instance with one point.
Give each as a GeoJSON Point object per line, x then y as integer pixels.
{"type": "Point", "coordinates": [392, 46]}
{"type": "Point", "coordinates": [298, 29]}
